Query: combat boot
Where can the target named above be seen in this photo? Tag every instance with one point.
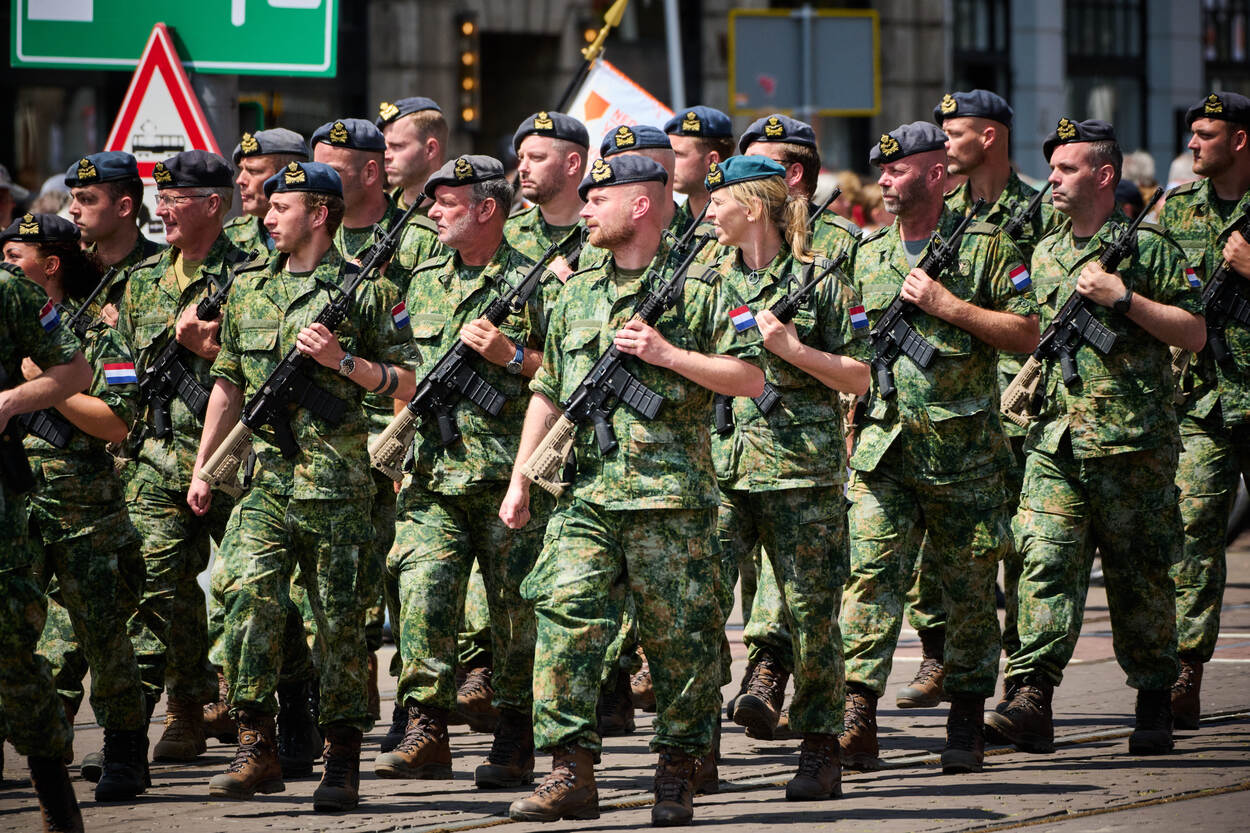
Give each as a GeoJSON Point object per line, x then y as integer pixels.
{"type": "Point", "coordinates": [183, 738]}
{"type": "Point", "coordinates": [641, 688]}
{"type": "Point", "coordinates": [568, 792]}
{"type": "Point", "coordinates": [759, 708]}
{"type": "Point", "coordinates": [399, 725]}
{"type": "Point", "coordinates": [510, 762]}
{"type": "Point", "coordinates": [925, 690]}
{"type": "Point", "coordinates": [1186, 706]}
{"type": "Point", "coordinates": [1009, 691]}
{"type": "Point", "coordinates": [299, 739]}
{"type": "Point", "coordinates": [614, 712]}
{"type": "Point", "coordinates": [375, 697]}
{"type": "Point", "coordinates": [474, 700]}
{"type": "Point", "coordinates": [217, 720]}
{"type": "Point", "coordinates": [820, 772]}
{"type": "Point", "coordinates": [857, 745]}
{"type": "Point", "coordinates": [783, 730]}
{"type": "Point", "coordinates": [1152, 727]}
{"type": "Point", "coordinates": [125, 771]}
{"type": "Point", "coordinates": [742, 689]}
{"type": "Point", "coordinates": [57, 804]}
{"type": "Point", "coordinates": [1027, 722]}
{"type": "Point", "coordinates": [965, 739]}
{"type": "Point", "coordinates": [255, 768]}
{"type": "Point", "coordinates": [424, 753]}
{"type": "Point", "coordinates": [674, 787]}
{"type": "Point", "coordinates": [340, 782]}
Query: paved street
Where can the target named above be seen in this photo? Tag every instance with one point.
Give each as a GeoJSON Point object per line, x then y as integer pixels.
{"type": "Point", "coordinates": [1089, 783]}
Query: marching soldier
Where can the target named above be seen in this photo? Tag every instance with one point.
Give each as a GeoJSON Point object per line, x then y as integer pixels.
{"type": "Point", "coordinates": [700, 136]}
{"type": "Point", "coordinates": [1102, 456]}
{"type": "Point", "coordinates": [415, 132]}
{"type": "Point", "coordinates": [257, 157]}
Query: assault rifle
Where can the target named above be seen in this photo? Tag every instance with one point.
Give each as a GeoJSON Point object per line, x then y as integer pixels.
{"type": "Point", "coordinates": [45, 424]}
{"type": "Point", "coordinates": [1015, 226]}
{"type": "Point", "coordinates": [1074, 325]}
{"type": "Point", "coordinates": [79, 321]}
{"type": "Point", "coordinates": [290, 385]}
{"type": "Point", "coordinates": [893, 335]}
{"type": "Point", "coordinates": [785, 309]}
{"type": "Point", "coordinates": [1224, 301]}
{"type": "Point", "coordinates": [450, 380]}
{"type": "Point", "coordinates": [608, 384]}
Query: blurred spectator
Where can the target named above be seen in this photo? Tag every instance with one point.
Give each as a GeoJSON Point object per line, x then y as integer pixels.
{"type": "Point", "coordinates": [10, 195]}
{"type": "Point", "coordinates": [1128, 197]}
{"type": "Point", "coordinates": [1181, 170]}
{"type": "Point", "coordinates": [870, 213]}
{"type": "Point", "coordinates": [1139, 169]}
{"type": "Point", "coordinates": [848, 181]}
{"type": "Point", "coordinates": [54, 197]}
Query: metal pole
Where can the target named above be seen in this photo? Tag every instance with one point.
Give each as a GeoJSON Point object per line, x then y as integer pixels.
{"type": "Point", "coordinates": [676, 73]}
{"type": "Point", "coordinates": [805, 63]}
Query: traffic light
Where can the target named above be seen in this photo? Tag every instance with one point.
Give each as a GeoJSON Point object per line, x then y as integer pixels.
{"type": "Point", "coordinates": [470, 63]}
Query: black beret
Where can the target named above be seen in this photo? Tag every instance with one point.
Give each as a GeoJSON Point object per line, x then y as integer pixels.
{"type": "Point", "coordinates": [305, 176]}
{"type": "Point", "coordinates": [978, 103]}
{"type": "Point", "coordinates": [274, 140]}
{"type": "Point", "coordinates": [778, 128]}
{"type": "Point", "coordinates": [622, 170]}
{"type": "Point", "coordinates": [356, 134]}
{"type": "Point", "coordinates": [553, 125]}
{"type": "Point", "coordinates": [703, 122]}
{"type": "Point", "coordinates": [102, 167]}
{"type": "Point", "coordinates": [40, 228]}
{"type": "Point", "coordinates": [193, 169]}
{"type": "Point", "coordinates": [741, 169]}
{"type": "Point", "coordinates": [1227, 106]}
{"type": "Point", "coordinates": [464, 170]}
{"type": "Point", "coordinates": [634, 137]}
{"type": "Point", "coordinates": [1070, 132]}
{"type": "Point", "coordinates": [388, 112]}
{"type": "Point", "coordinates": [905, 140]}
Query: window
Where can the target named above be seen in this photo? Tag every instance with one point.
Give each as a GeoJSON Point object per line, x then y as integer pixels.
{"type": "Point", "coordinates": [1106, 45]}
{"type": "Point", "coordinates": [981, 46]}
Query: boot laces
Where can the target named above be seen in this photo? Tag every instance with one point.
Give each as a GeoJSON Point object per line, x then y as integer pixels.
{"type": "Point", "coordinates": [245, 754]}
{"type": "Point", "coordinates": [560, 779]}
{"type": "Point", "coordinates": [421, 729]}
{"type": "Point", "coordinates": [1026, 699]}
{"type": "Point", "coordinates": [857, 710]}
{"type": "Point", "coordinates": [766, 680]}
{"type": "Point", "coordinates": [1185, 680]}
{"type": "Point", "coordinates": [813, 757]}
{"type": "Point", "coordinates": [673, 776]}
{"type": "Point", "coordinates": [476, 684]}
{"type": "Point", "coordinates": [929, 672]}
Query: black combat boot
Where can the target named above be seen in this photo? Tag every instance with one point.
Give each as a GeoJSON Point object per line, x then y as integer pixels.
{"type": "Point", "coordinates": [1152, 729]}
{"type": "Point", "coordinates": [510, 762]}
{"type": "Point", "coordinates": [1027, 721]}
{"type": "Point", "coordinates": [57, 804]}
{"type": "Point", "coordinates": [299, 739]}
{"type": "Point", "coordinates": [965, 740]}
{"type": "Point", "coordinates": [125, 772]}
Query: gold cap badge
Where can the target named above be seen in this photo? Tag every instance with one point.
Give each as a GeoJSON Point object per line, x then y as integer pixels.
{"type": "Point", "coordinates": [248, 143]}
{"type": "Point", "coordinates": [949, 104]}
{"type": "Point", "coordinates": [691, 123]}
{"type": "Point", "coordinates": [773, 128]}
{"type": "Point", "coordinates": [1066, 129]}
{"type": "Point", "coordinates": [29, 225]}
{"type": "Point", "coordinates": [600, 171]}
{"type": "Point", "coordinates": [161, 174]}
{"type": "Point", "coordinates": [1213, 104]}
{"type": "Point", "coordinates": [387, 111]}
{"type": "Point", "coordinates": [888, 145]}
{"type": "Point", "coordinates": [624, 137]}
{"type": "Point", "coordinates": [294, 174]}
{"type": "Point", "coordinates": [86, 171]}
{"type": "Point", "coordinates": [543, 121]}
{"type": "Point", "coordinates": [338, 134]}
{"type": "Point", "coordinates": [463, 169]}
{"type": "Point", "coordinates": [715, 176]}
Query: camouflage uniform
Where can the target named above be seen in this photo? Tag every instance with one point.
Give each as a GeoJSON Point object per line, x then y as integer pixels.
{"type": "Point", "coordinates": [528, 233]}
{"type": "Point", "coordinates": [781, 478]}
{"type": "Point", "coordinates": [638, 523]}
{"type": "Point", "coordinates": [1099, 473]}
{"type": "Point", "coordinates": [25, 684]}
{"type": "Point", "coordinates": [925, 597]}
{"type": "Point", "coordinates": [313, 510]}
{"type": "Point", "coordinates": [175, 540]}
{"type": "Point", "coordinates": [249, 233]}
{"type": "Point", "coordinates": [1215, 427]}
{"type": "Point", "coordinates": [931, 460]}
{"type": "Point", "coordinates": [139, 252]}
{"type": "Point", "coordinates": [448, 510]}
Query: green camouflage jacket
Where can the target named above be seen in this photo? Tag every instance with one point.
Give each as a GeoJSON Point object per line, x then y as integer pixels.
{"type": "Point", "coordinates": [249, 233]}
{"type": "Point", "coordinates": [1123, 401]}
{"type": "Point", "coordinates": [142, 250]}
{"type": "Point", "coordinates": [266, 311]}
{"type": "Point", "coordinates": [352, 242]}
{"type": "Point", "coordinates": [800, 443]}
{"type": "Point", "coordinates": [832, 234]}
{"type": "Point", "coordinates": [1191, 217]}
{"type": "Point", "coordinates": [444, 296]}
{"type": "Point", "coordinates": [945, 419]}
{"type": "Point", "coordinates": [664, 463]}
{"type": "Point", "coordinates": [528, 233]}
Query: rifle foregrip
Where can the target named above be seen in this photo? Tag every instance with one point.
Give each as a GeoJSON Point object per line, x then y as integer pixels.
{"type": "Point", "coordinates": [387, 454]}
{"type": "Point", "coordinates": [544, 465]}
{"type": "Point", "coordinates": [222, 469]}
{"type": "Point", "coordinates": [885, 380]}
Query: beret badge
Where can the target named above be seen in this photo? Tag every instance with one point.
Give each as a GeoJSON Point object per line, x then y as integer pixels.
{"type": "Point", "coordinates": [161, 174]}
{"type": "Point", "coordinates": [888, 145]}
{"type": "Point", "coordinates": [600, 171]}
{"type": "Point", "coordinates": [29, 225]}
{"type": "Point", "coordinates": [387, 111]}
{"type": "Point", "coordinates": [249, 144]}
{"type": "Point", "coordinates": [543, 121]}
{"type": "Point", "coordinates": [624, 137]}
{"type": "Point", "coordinates": [294, 174]}
{"type": "Point", "coordinates": [338, 134]}
{"type": "Point", "coordinates": [715, 176]}
{"type": "Point", "coordinates": [691, 123]}
{"type": "Point", "coordinates": [773, 128]}
{"type": "Point", "coordinates": [463, 169]}
{"type": "Point", "coordinates": [86, 171]}
{"type": "Point", "coordinates": [1066, 129]}
{"type": "Point", "coordinates": [949, 105]}
{"type": "Point", "coordinates": [1213, 104]}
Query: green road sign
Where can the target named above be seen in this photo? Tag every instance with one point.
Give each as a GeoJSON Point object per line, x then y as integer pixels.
{"type": "Point", "coordinates": [253, 37]}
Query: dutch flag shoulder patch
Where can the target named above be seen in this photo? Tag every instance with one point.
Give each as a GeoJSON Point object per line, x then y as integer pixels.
{"type": "Point", "coordinates": [859, 318]}
{"type": "Point", "coordinates": [120, 373]}
{"type": "Point", "coordinates": [399, 314]}
{"type": "Point", "coordinates": [1192, 277]}
{"type": "Point", "coordinates": [49, 317]}
{"type": "Point", "coordinates": [1020, 278]}
{"type": "Point", "coordinates": [742, 318]}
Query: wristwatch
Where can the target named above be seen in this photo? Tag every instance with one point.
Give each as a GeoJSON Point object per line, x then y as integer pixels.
{"type": "Point", "coordinates": [514, 366]}
{"type": "Point", "coordinates": [347, 365]}
{"type": "Point", "coordinates": [1126, 301]}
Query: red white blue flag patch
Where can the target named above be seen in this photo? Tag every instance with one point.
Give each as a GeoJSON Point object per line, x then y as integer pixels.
{"type": "Point", "coordinates": [742, 318]}
{"type": "Point", "coordinates": [1192, 277]}
{"type": "Point", "coordinates": [399, 314]}
{"type": "Point", "coordinates": [120, 373]}
{"type": "Point", "coordinates": [49, 317]}
{"type": "Point", "coordinates": [859, 318]}
{"type": "Point", "coordinates": [1020, 278]}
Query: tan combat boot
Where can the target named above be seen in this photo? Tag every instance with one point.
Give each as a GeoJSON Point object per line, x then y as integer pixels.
{"type": "Point", "coordinates": [57, 804]}
{"type": "Point", "coordinates": [568, 792]}
{"type": "Point", "coordinates": [676, 776]}
{"type": "Point", "coordinates": [217, 720]}
{"type": "Point", "coordinates": [424, 753]}
{"type": "Point", "coordinates": [925, 690]}
{"type": "Point", "coordinates": [340, 782]}
{"type": "Point", "coordinates": [510, 762]}
{"type": "Point", "coordinates": [820, 773]}
{"type": "Point", "coordinates": [1186, 705]}
{"type": "Point", "coordinates": [1026, 721]}
{"type": "Point", "coordinates": [474, 700]}
{"type": "Point", "coordinates": [641, 688]}
{"type": "Point", "coordinates": [183, 738]}
{"type": "Point", "coordinates": [255, 768]}
{"type": "Point", "coordinates": [857, 745]}
{"type": "Point", "coordinates": [759, 707]}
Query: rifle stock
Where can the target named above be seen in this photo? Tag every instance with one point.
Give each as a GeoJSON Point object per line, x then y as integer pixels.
{"type": "Point", "coordinates": [1020, 398]}
{"type": "Point", "coordinates": [222, 468]}
{"type": "Point", "coordinates": [544, 465]}
{"type": "Point", "coordinates": [388, 451]}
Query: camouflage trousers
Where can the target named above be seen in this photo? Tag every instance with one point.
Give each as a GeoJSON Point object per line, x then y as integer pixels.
{"type": "Point", "coordinates": [1124, 505]}
{"type": "Point", "coordinates": [968, 523]}
{"type": "Point", "coordinates": [924, 599]}
{"type": "Point", "coordinates": [1213, 459]}
{"type": "Point", "coordinates": [803, 534]}
{"type": "Point", "coordinates": [593, 561]}
{"type": "Point", "coordinates": [474, 641]}
{"type": "Point", "coordinates": [765, 629]}
{"type": "Point", "coordinates": [40, 727]}
{"type": "Point", "coordinates": [437, 539]}
{"type": "Point", "coordinates": [170, 629]}
{"type": "Point", "coordinates": [330, 541]}
{"type": "Point", "coordinates": [383, 518]}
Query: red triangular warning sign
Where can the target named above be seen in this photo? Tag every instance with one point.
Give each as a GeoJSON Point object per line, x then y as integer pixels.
{"type": "Point", "coordinates": [160, 115]}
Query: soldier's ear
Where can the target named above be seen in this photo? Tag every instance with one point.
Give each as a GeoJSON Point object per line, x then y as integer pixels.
{"type": "Point", "coordinates": [1240, 140]}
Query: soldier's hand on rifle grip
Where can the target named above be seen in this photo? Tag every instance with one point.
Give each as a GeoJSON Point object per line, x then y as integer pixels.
{"type": "Point", "coordinates": [486, 339]}
{"type": "Point", "coordinates": [637, 338]}
{"type": "Point", "coordinates": [779, 339]}
{"type": "Point", "coordinates": [1101, 287]}
{"type": "Point", "coordinates": [200, 337]}
{"type": "Point", "coordinates": [1237, 253]}
{"type": "Point", "coordinates": [199, 496]}
{"type": "Point", "coordinates": [926, 293]}
{"type": "Point", "coordinates": [319, 344]}
{"type": "Point", "coordinates": [515, 509]}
